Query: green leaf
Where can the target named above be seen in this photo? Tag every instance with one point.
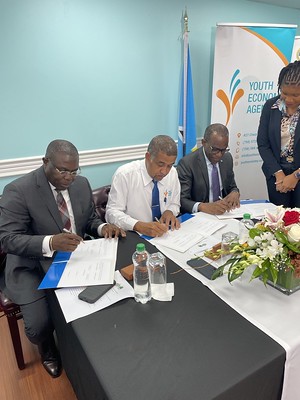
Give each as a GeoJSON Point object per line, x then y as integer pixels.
{"type": "Point", "coordinates": [256, 273]}
{"type": "Point", "coordinates": [254, 232]}
{"type": "Point", "coordinates": [294, 247]}
{"type": "Point", "coordinates": [281, 237]}
{"type": "Point", "coordinates": [218, 272]}
{"type": "Point", "coordinates": [265, 277]}
{"type": "Point", "coordinates": [274, 272]}
{"type": "Point", "coordinates": [235, 274]}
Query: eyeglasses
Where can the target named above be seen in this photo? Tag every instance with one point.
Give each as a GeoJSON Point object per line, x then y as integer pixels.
{"type": "Point", "coordinates": [64, 172]}
{"type": "Point", "coordinates": [216, 150]}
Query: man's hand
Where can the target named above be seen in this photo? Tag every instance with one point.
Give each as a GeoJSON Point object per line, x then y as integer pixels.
{"type": "Point", "coordinates": [169, 219]}
{"type": "Point", "coordinates": [65, 242]}
{"type": "Point", "coordinates": [152, 229]}
{"type": "Point", "coordinates": [216, 208]}
{"type": "Point", "coordinates": [110, 230]}
{"type": "Point", "coordinates": [233, 200]}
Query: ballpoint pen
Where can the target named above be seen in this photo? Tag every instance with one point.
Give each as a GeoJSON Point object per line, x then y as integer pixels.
{"type": "Point", "coordinates": [67, 231]}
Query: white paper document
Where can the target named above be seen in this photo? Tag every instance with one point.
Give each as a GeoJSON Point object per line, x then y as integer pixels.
{"type": "Point", "coordinates": [256, 210]}
{"type": "Point", "coordinates": [191, 232]}
{"type": "Point", "coordinates": [205, 244]}
{"type": "Point", "coordinates": [74, 308]}
{"type": "Point", "coordinates": [92, 263]}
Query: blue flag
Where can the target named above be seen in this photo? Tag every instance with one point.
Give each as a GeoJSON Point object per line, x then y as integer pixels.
{"type": "Point", "coordinates": [187, 141]}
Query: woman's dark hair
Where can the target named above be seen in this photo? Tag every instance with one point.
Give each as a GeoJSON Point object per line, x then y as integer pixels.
{"type": "Point", "coordinates": [290, 75]}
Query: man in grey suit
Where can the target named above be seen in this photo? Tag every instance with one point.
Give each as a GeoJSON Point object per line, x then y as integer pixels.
{"type": "Point", "coordinates": [32, 228]}
{"type": "Point", "coordinates": [206, 175]}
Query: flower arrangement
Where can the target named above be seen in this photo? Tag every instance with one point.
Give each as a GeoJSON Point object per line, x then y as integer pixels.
{"type": "Point", "coordinates": [273, 246]}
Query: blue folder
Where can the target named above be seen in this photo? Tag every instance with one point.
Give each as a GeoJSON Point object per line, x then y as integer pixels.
{"type": "Point", "coordinates": [55, 271]}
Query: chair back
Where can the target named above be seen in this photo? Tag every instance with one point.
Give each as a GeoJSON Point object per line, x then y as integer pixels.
{"type": "Point", "coordinates": [100, 196]}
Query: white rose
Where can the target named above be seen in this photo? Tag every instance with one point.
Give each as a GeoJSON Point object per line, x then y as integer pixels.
{"type": "Point", "coordinates": [294, 233]}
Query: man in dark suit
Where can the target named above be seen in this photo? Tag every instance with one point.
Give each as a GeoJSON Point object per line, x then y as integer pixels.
{"type": "Point", "coordinates": [32, 228]}
{"type": "Point", "coordinates": [206, 175]}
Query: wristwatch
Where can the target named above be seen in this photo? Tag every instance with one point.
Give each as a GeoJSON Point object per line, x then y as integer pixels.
{"type": "Point", "coordinates": [297, 174]}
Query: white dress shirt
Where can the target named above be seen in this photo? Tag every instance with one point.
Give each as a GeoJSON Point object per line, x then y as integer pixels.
{"type": "Point", "coordinates": [130, 197]}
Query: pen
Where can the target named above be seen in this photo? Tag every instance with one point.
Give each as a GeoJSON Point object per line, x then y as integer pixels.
{"type": "Point", "coordinates": [220, 198]}
{"type": "Point", "coordinates": [157, 220]}
{"type": "Point", "coordinates": [67, 231]}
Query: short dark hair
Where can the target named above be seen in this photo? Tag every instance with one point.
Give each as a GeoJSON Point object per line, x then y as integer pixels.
{"type": "Point", "coordinates": [290, 75]}
{"type": "Point", "coordinates": [164, 144]}
{"type": "Point", "coordinates": [220, 129]}
{"type": "Point", "coordinates": [60, 146]}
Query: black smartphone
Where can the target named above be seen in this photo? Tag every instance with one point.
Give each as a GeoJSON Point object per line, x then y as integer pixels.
{"type": "Point", "coordinates": [93, 293]}
{"type": "Point", "coordinates": [202, 266]}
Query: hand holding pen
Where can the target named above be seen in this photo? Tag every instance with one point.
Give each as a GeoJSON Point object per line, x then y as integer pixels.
{"type": "Point", "coordinates": [169, 219]}
{"type": "Point", "coordinates": [66, 241]}
{"type": "Point", "coordinates": [153, 229]}
{"type": "Point", "coordinates": [223, 204]}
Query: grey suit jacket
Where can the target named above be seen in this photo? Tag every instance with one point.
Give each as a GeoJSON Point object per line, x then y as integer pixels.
{"type": "Point", "coordinates": [193, 177]}
{"type": "Point", "coordinates": [28, 212]}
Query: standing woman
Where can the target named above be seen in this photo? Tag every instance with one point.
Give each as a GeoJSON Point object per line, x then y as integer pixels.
{"type": "Point", "coordinates": [278, 139]}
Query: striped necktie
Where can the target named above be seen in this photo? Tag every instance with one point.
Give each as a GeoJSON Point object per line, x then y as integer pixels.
{"type": "Point", "coordinates": [63, 209]}
{"type": "Point", "coordinates": [156, 214]}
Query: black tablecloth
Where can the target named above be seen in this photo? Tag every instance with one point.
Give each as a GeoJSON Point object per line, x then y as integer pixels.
{"type": "Point", "coordinates": [194, 347]}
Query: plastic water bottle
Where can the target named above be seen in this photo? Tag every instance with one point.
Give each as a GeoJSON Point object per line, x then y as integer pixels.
{"type": "Point", "coordinates": [141, 283]}
{"type": "Point", "coordinates": [245, 224]}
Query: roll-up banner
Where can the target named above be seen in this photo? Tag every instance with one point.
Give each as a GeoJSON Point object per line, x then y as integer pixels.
{"type": "Point", "coordinates": [247, 62]}
{"type": "Point", "coordinates": [296, 50]}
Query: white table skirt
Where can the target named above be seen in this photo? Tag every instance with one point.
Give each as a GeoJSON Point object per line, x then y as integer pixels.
{"type": "Point", "coordinates": [267, 308]}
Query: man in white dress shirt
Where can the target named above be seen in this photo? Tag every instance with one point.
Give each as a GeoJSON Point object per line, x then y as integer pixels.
{"type": "Point", "coordinates": [130, 202]}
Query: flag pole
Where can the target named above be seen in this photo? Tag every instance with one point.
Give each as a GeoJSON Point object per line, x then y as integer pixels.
{"type": "Point", "coordinates": [187, 141]}
{"type": "Point", "coordinates": [185, 73]}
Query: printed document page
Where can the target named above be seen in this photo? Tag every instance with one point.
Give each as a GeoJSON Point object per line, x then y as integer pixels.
{"type": "Point", "coordinates": [191, 232]}
{"type": "Point", "coordinates": [74, 308]}
{"type": "Point", "coordinates": [92, 263]}
{"type": "Point", "coordinates": [256, 210]}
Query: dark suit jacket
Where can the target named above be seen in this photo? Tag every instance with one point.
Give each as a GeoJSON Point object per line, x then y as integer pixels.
{"type": "Point", "coordinates": [193, 176]}
{"type": "Point", "coordinates": [269, 139]}
{"type": "Point", "coordinates": [28, 212]}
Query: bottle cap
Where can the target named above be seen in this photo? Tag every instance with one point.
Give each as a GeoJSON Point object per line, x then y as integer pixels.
{"type": "Point", "coordinates": [140, 247]}
{"type": "Point", "coordinates": [247, 216]}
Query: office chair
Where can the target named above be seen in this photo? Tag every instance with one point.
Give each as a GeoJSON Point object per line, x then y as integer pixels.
{"type": "Point", "coordinates": [13, 314]}
{"type": "Point", "coordinates": [100, 196]}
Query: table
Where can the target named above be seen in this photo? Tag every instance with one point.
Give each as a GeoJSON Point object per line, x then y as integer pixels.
{"type": "Point", "coordinates": [195, 347]}
{"type": "Point", "coordinates": [265, 307]}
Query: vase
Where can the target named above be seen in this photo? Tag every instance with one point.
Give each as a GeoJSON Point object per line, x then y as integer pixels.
{"type": "Point", "coordinates": [287, 281]}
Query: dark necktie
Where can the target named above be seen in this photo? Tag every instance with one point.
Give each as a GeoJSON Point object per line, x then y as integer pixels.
{"type": "Point", "coordinates": [215, 183]}
{"type": "Point", "coordinates": [63, 209]}
{"type": "Point", "coordinates": [155, 202]}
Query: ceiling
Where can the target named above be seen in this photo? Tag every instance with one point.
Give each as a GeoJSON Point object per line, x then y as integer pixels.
{"type": "Point", "coordinates": [281, 3]}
